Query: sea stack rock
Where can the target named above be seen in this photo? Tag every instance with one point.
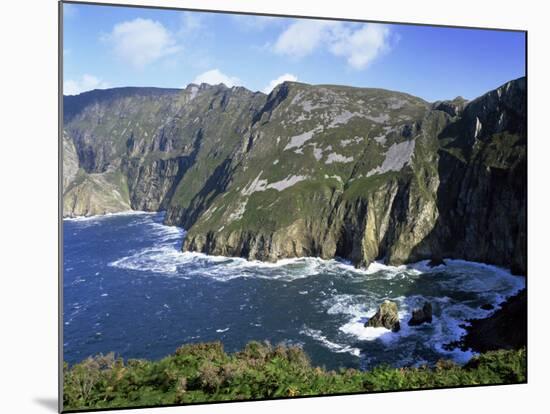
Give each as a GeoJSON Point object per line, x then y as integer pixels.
{"type": "Point", "coordinates": [421, 315]}
{"type": "Point", "coordinates": [386, 317]}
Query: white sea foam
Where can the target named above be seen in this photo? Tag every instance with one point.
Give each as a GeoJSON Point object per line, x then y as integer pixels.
{"type": "Point", "coordinates": [361, 314]}
{"type": "Point", "coordinates": [448, 325]}
{"type": "Point", "coordinates": [166, 258]}
{"type": "Point", "coordinates": [158, 260]}
{"type": "Point", "coordinates": [357, 329]}
{"type": "Point", "coordinates": [222, 330]}
{"type": "Point", "coordinates": [346, 304]}
{"type": "Point", "coordinates": [166, 233]}
{"type": "Point", "coordinates": [391, 271]}
{"type": "Point", "coordinates": [107, 215]}
{"type": "Point", "coordinates": [488, 283]}
{"type": "Point", "coordinates": [333, 346]}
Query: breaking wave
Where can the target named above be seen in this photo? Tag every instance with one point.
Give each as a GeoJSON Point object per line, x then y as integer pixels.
{"type": "Point", "coordinates": [108, 215]}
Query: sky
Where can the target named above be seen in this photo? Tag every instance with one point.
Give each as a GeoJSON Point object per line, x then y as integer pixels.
{"type": "Point", "coordinates": [108, 46]}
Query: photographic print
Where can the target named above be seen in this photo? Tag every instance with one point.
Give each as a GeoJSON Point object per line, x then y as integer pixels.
{"type": "Point", "coordinates": [259, 207]}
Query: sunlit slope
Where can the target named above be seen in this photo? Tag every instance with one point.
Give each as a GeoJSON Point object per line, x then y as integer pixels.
{"type": "Point", "coordinates": [321, 170]}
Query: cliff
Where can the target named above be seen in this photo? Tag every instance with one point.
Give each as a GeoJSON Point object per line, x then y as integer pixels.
{"type": "Point", "coordinates": [323, 170]}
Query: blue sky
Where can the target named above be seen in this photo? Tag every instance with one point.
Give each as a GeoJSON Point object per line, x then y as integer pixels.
{"type": "Point", "coordinates": [105, 46]}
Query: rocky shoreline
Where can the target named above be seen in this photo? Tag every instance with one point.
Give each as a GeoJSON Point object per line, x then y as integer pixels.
{"type": "Point", "coordinates": [506, 328]}
{"type": "Point", "coordinates": [308, 170]}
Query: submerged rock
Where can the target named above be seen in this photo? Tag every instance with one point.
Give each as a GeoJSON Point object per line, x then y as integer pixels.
{"type": "Point", "coordinates": [422, 315]}
{"type": "Point", "coordinates": [487, 306]}
{"type": "Point", "coordinates": [386, 317]}
{"type": "Point", "coordinates": [436, 261]}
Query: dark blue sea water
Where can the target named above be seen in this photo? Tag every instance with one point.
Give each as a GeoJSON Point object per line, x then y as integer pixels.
{"type": "Point", "coordinates": [129, 289]}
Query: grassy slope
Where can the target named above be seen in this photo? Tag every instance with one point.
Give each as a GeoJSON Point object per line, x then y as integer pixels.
{"type": "Point", "coordinates": [204, 372]}
{"type": "Point", "coordinates": [289, 119]}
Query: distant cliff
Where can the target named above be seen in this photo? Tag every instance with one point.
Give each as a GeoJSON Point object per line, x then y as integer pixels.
{"type": "Point", "coordinates": [324, 170]}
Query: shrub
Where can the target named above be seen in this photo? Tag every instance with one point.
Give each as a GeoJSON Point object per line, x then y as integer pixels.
{"type": "Point", "coordinates": [204, 372]}
{"type": "Point", "coordinates": [209, 375]}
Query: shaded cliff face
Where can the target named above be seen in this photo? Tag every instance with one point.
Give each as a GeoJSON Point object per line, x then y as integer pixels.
{"type": "Point", "coordinates": [325, 171]}
{"type": "Point", "coordinates": [70, 161]}
{"type": "Point", "coordinates": [482, 198]}
{"type": "Point", "coordinates": [160, 140]}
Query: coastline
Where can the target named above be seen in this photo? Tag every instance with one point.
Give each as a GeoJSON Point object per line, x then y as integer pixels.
{"type": "Point", "coordinates": [99, 216]}
{"type": "Point", "coordinates": [164, 257]}
{"type": "Point", "coordinates": [468, 371]}
{"type": "Point", "coordinates": [375, 266]}
{"type": "Point", "coordinates": [505, 328]}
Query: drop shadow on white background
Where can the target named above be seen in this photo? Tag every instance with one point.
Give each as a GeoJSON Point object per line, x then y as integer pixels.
{"type": "Point", "coordinates": [47, 402]}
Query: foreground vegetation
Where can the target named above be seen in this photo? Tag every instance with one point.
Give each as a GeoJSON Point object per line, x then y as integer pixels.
{"type": "Point", "coordinates": [204, 372]}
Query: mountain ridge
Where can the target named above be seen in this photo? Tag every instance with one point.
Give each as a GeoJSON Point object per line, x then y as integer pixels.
{"type": "Point", "coordinates": [311, 170]}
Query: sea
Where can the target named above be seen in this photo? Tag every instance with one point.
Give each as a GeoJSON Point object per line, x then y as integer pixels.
{"type": "Point", "coordinates": [129, 289]}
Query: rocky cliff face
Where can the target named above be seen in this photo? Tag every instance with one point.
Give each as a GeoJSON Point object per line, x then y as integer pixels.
{"type": "Point", "coordinates": [155, 138]}
{"type": "Point", "coordinates": [86, 194]}
{"type": "Point", "coordinates": [70, 161]}
{"type": "Point", "coordinates": [482, 198]}
{"type": "Point", "coordinates": [325, 171]}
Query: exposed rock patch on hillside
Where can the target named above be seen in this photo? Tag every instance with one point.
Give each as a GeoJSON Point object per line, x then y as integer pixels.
{"type": "Point", "coordinates": [324, 171]}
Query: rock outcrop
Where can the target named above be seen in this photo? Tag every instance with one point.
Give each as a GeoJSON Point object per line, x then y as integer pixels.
{"type": "Point", "coordinates": [88, 194]}
{"type": "Point", "coordinates": [421, 315]}
{"type": "Point", "coordinates": [436, 261]}
{"type": "Point", "coordinates": [506, 328]}
{"type": "Point", "coordinates": [324, 170]}
{"type": "Point", "coordinates": [386, 317]}
{"type": "Point", "coordinates": [70, 161]}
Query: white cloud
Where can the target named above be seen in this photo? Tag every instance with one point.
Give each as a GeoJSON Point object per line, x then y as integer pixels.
{"type": "Point", "coordinates": [280, 79]}
{"type": "Point", "coordinates": [362, 46]}
{"type": "Point", "coordinates": [358, 44]}
{"type": "Point", "coordinates": [85, 83]}
{"type": "Point", "coordinates": [141, 41]}
{"type": "Point", "coordinates": [215, 77]}
{"type": "Point", "coordinates": [303, 37]}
